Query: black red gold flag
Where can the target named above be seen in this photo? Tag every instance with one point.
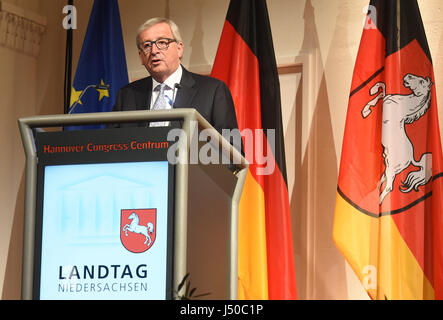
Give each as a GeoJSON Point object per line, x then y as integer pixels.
{"type": "Point", "coordinates": [389, 208]}
{"type": "Point", "coordinates": [245, 60]}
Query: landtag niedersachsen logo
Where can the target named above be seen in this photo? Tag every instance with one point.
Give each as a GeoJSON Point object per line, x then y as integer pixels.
{"type": "Point", "coordinates": [138, 229]}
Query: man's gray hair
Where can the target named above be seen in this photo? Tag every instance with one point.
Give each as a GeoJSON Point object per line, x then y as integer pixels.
{"type": "Point", "coordinates": [152, 22]}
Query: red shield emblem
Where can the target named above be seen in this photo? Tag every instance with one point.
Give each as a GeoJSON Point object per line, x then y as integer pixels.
{"type": "Point", "coordinates": [138, 229]}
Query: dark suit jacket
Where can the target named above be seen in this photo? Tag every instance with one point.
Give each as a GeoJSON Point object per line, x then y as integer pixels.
{"type": "Point", "coordinates": [209, 96]}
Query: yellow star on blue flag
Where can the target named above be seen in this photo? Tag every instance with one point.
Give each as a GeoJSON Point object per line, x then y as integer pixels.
{"type": "Point", "coordinates": [75, 96]}
{"type": "Point", "coordinates": [103, 92]}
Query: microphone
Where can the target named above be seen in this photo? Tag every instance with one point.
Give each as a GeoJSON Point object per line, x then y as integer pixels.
{"type": "Point", "coordinates": [102, 86]}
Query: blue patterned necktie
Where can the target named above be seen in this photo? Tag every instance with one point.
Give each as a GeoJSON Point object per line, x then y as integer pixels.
{"type": "Point", "coordinates": [160, 102]}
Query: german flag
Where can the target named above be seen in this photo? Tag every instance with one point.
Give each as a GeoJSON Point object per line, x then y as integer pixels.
{"type": "Point", "coordinates": [389, 208]}
{"type": "Point", "coordinates": [245, 61]}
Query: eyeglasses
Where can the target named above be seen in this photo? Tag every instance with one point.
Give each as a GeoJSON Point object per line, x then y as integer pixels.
{"type": "Point", "coordinates": [161, 44]}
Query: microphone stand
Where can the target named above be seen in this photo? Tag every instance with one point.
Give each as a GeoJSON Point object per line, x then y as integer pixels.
{"type": "Point", "coordinates": [97, 86]}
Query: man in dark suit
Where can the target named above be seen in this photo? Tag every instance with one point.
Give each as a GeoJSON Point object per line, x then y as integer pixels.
{"type": "Point", "coordinates": [160, 50]}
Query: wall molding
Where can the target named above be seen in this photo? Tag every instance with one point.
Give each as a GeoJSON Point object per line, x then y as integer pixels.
{"type": "Point", "coordinates": [21, 29]}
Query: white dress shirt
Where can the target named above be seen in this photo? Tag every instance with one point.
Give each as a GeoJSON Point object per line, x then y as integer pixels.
{"type": "Point", "coordinates": [171, 92]}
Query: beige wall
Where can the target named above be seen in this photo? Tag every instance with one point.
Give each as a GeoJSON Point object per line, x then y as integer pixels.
{"type": "Point", "coordinates": [320, 35]}
{"type": "Point", "coordinates": [29, 85]}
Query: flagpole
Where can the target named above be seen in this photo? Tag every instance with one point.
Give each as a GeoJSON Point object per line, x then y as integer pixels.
{"type": "Point", "coordinates": [398, 24]}
{"type": "Point", "coordinates": [68, 66]}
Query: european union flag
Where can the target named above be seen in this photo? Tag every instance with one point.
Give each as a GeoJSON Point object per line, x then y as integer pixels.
{"type": "Point", "coordinates": [101, 69]}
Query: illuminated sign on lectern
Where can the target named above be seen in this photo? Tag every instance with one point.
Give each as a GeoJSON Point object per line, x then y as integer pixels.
{"type": "Point", "coordinates": [104, 221]}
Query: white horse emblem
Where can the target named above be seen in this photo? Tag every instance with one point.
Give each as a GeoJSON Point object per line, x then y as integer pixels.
{"type": "Point", "coordinates": [398, 150]}
{"type": "Point", "coordinates": [136, 228]}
